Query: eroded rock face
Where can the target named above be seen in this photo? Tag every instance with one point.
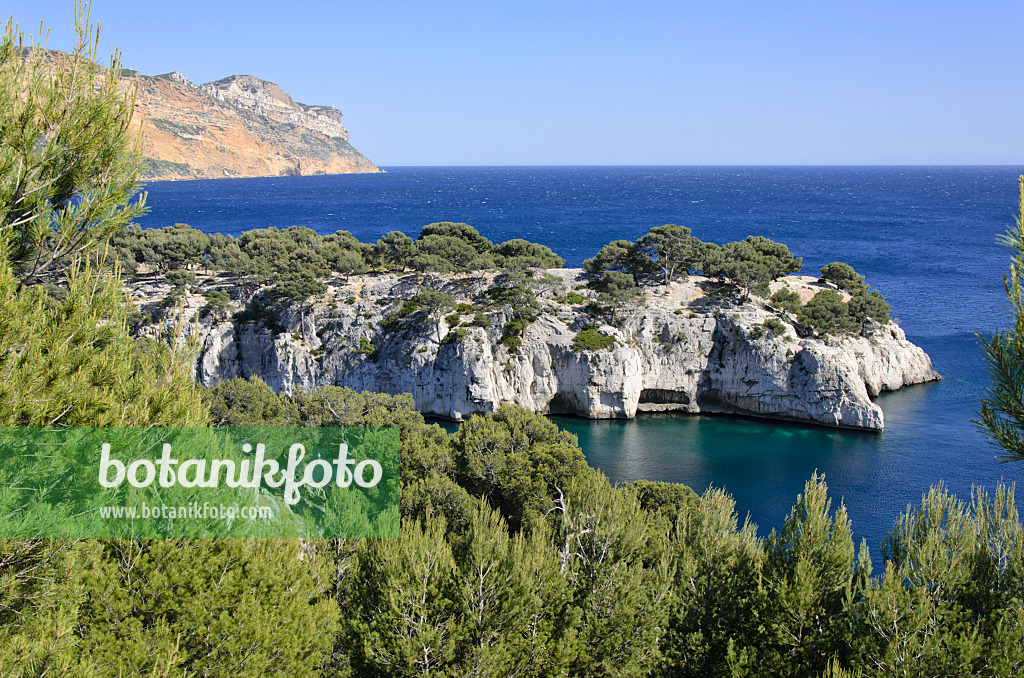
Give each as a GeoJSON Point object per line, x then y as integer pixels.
{"type": "Point", "coordinates": [240, 126]}
{"type": "Point", "coordinates": [680, 352]}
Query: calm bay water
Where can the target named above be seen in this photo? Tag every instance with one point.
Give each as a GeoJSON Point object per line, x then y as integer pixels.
{"type": "Point", "coordinates": [924, 236]}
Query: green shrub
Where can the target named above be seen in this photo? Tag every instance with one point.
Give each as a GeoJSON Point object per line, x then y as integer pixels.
{"type": "Point", "coordinates": [481, 319]}
{"type": "Point", "coordinates": [844, 277]}
{"type": "Point", "coordinates": [872, 306]}
{"type": "Point", "coordinates": [574, 298]}
{"type": "Point", "coordinates": [453, 319]}
{"type": "Point", "coordinates": [218, 303]}
{"type": "Point", "coordinates": [827, 313]}
{"type": "Point", "coordinates": [180, 277]}
{"type": "Point", "coordinates": [515, 326]}
{"type": "Point", "coordinates": [519, 253]}
{"type": "Point", "coordinates": [172, 298]}
{"type": "Point", "coordinates": [298, 287]}
{"type": "Point", "coordinates": [350, 300]}
{"type": "Point", "coordinates": [788, 300]}
{"type": "Point", "coordinates": [456, 335]}
{"type": "Point", "coordinates": [135, 318]}
{"type": "Point", "coordinates": [368, 349]}
{"type": "Point", "coordinates": [590, 339]}
{"type": "Point", "coordinates": [466, 309]}
{"type": "Point", "coordinates": [391, 323]}
{"type": "Point", "coordinates": [512, 341]}
{"type": "Point", "coordinates": [775, 326]}
{"type": "Point", "coordinates": [408, 307]}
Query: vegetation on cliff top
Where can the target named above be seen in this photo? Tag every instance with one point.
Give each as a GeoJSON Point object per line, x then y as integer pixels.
{"type": "Point", "coordinates": [297, 260]}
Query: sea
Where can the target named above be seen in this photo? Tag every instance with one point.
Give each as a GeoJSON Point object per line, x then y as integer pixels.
{"type": "Point", "coordinates": [926, 237]}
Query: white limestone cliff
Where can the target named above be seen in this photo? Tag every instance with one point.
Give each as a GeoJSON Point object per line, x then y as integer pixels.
{"type": "Point", "coordinates": [680, 352]}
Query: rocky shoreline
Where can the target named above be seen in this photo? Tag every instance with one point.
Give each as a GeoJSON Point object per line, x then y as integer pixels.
{"type": "Point", "coordinates": [685, 349]}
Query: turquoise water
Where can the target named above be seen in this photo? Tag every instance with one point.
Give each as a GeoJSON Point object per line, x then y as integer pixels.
{"type": "Point", "coordinates": [925, 236]}
{"type": "Point", "coordinates": [928, 439]}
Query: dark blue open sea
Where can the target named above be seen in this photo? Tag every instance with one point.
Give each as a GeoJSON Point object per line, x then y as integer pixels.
{"type": "Point", "coordinates": [924, 236]}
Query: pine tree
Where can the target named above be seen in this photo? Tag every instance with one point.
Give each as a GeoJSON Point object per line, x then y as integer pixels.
{"type": "Point", "coordinates": [617, 564]}
{"type": "Point", "coordinates": [73, 363]}
{"type": "Point", "coordinates": [715, 588]}
{"type": "Point", "coordinates": [1002, 410]}
{"type": "Point", "coordinates": [229, 607]}
{"type": "Point", "coordinates": [512, 596]}
{"type": "Point", "coordinates": [406, 592]}
{"type": "Point", "coordinates": [69, 157]}
{"type": "Point", "coordinates": [950, 600]}
{"type": "Point", "coordinates": [810, 582]}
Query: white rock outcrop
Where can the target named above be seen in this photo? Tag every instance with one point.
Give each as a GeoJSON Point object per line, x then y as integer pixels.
{"type": "Point", "coordinates": [680, 352]}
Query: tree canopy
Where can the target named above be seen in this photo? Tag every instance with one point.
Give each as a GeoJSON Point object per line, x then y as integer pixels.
{"type": "Point", "coordinates": [672, 248]}
{"type": "Point", "coordinates": [844, 277]}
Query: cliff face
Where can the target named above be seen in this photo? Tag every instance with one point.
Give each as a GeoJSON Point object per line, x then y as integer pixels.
{"type": "Point", "coordinates": [681, 352]}
{"type": "Point", "coordinates": [240, 126]}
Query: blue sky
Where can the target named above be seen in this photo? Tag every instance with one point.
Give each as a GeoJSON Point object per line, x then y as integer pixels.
{"type": "Point", "coordinates": [542, 83]}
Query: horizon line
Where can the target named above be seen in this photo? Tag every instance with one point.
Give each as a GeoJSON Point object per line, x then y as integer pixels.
{"type": "Point", "coordinates": [555, 165]}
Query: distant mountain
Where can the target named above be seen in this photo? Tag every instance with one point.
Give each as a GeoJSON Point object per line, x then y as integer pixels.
{"type": "Point", "coordinates": [239, 126]}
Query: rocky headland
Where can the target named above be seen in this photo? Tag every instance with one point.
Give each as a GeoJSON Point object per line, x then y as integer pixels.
{"type": "Point", "coordinates": [685, 348]}
{"type": "Point", "coordinates": [240, 126]}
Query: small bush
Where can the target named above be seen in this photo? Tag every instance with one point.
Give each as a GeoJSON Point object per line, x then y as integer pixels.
{"type": "Point", "coordinates": [136, 318]}
{"type": "Point", "coordinates": [774, 326]}
{"type": "Point", "coordinates": [872, 306]}
{"type": "Point", "coordinates": [299, 287]}
{"type": "Point", "coordinates": [511, 341]}
{"type": "Point", "coordinates": [218, 303]}
{"type": "Point", "coordinates": [172, 298]}
{"type": "Point", "coordinates": [481, 319]}
{"type": "Point", "coordinates": [788, 300]}
{"type": "Point", "coordinates": [514, 326]}
{"type": "Point", "coordinates": [590, 339]}
{"type": "Point", "coordinates": [456, 335]}
{"type": "Point", "coordinates": [350, 300]}
{"type": "Point", "coordinates": [827, 313]}
{"type": "Point", "coordinates": [408, 307]}
{"type": "Point", "coordinates": [574, 298]}
{"type": "Point", "coordinates": [466, 309]}
{"type": "Point", "coordinates": [844, 277]}
{"type": "Point", "coordinates": [368, 349]}
{"type": "Point", "coordinates": [179, 277]}
{"type": "Point", "coordinates": [256, 312]}
{"type": "Point", "coordinates": [453, 319]}
{"type": "Point", "coordinates": [390, 324]}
